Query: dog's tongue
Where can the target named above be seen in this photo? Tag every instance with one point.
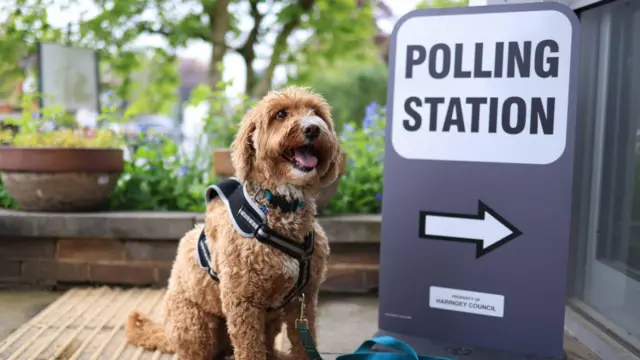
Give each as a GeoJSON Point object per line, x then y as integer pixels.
{"type": "Point", "coordinates": [305, 158]}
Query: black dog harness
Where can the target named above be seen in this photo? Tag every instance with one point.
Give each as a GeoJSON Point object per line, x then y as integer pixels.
{"type": "Point", "coordinates": [249, 219]}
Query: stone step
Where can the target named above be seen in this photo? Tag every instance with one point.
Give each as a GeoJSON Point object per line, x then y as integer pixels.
{"type": "Point", "coordinates": [353, 268]}
{"type": "Point", "coordinates": [156, 225]}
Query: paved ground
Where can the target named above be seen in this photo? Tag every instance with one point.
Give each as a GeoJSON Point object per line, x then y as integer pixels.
{"type": "Point", "coordinates": [17, 307]}
{"type": "Point", "coordinates": [344, 321]}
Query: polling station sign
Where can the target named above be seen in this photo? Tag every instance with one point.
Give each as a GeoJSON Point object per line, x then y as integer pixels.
{"type": "Point", "coordinates": [481, 116]}
{"type": "Point", "coordinates": [468, 96]}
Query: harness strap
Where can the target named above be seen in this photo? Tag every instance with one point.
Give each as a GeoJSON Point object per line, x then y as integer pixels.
{"type": "Point", "coordinates": [250, 221]}
{"type": "Point", "coordinates": [304, 273]}
{"type": "Point", "coordinates": [267, 236]}
{"type": "Point", "coordinates": [204, 256]}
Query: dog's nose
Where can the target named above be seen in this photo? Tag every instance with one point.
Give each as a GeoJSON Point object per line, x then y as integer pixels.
{"type": "Point", "coordinates": [311, 131]}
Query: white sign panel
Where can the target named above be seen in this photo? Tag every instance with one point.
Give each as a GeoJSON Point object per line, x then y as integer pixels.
{"type": "Point", "coordinates": [482, 87]}
{"type": "Point", "coordinates": [68, 77]}
{"type": "Point", "coordinates": [471, 302]}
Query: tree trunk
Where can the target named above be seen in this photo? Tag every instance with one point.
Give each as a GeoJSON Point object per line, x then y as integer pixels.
{"type": "Point", "coordinates": [280, 47]}
{"type": "Point", "coordinates": [247, 50]}
{"type": "Point", "coordinates": [219, 22]}
{"type": "Point", "coordinates": [251, 77]}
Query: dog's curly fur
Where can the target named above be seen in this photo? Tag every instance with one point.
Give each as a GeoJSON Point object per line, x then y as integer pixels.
{"type": "Point", "coordinates": [206, 320]}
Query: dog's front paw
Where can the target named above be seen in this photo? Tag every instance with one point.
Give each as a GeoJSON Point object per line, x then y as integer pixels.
{"type": "Point", "coordinates": [280, 355]}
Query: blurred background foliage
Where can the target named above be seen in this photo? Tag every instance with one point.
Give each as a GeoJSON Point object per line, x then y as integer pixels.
{"type": "Point", "coordinates": [349, 87]}
{"type": "Point", "coordinates": [335, 46]}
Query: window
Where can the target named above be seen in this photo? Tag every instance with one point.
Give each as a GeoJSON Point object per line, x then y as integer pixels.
{"type": "Point", "coordinates": [607, 207]}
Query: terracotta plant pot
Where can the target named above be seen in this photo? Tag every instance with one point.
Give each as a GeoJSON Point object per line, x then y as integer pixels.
{"type": "Point", "coordinates": [223, 168]}
{"type": "Point", "coordinates": [60, 179]}
{"type": "Point", "coordinates": [222, 165]}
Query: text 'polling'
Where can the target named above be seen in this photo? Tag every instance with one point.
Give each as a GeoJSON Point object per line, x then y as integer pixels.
{"type": "Point", "coordinates": [509, 114]}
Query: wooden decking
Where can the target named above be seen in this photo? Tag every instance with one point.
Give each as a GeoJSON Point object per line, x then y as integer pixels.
{"type": "Point", "coordinates": [88, 324]}
{"type": "Point", "coordinates": [84, 324]}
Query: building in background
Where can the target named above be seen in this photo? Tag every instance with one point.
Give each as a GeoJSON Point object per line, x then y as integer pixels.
{"type": "Point", "coordinates": [383, 17]}
{"type": "Point", "coordinates": [192, 74]}
{"type": "Point", "coordinates": [603, 309]}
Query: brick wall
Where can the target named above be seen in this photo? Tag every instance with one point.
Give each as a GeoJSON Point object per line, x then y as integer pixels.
{"type": "Point", "coordinates": [52, 262]}
{"type": "Point", "coordinates": [44, 262]}
{"type": "Point", "coordinates": [137, 248]}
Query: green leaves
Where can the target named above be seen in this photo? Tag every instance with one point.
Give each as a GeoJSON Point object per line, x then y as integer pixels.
{"type": "Point", "coordinates": [341, 30]}
{"type": "Point", "coordinates": [338, 58]}
{"type": "Point", "coordinates": [437, 4]}
{"type": "Point", "coordinates": [159, 176]}
{"type": "Point", "coordinates": [6, 201]}
{"type": "Point", "coordinates": [22, 24]}
{"type": "Point", "coordinates": [162, 178]}
{"type": "Point", "coordinates": [349, 86]}
{"type": "Point", "coordinates": [223, 117]}
{"type": "Point", "coordinates": [360, 189]}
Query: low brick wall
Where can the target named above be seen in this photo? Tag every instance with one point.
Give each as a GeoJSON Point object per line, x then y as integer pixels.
{"type": "Point", "coordinates": [138, 248]}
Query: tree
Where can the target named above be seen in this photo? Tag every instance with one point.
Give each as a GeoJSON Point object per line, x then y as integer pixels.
{"type": "Point", "coordinates": [339, 24]}
{"type": "Point", "coordinates": [425, 4]}
{"type": "Point", "coordinates": [25, 24]}
{"type": "Point", "coordinates": [350, 86]}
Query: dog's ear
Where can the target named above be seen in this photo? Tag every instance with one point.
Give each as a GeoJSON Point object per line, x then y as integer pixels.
{"type": "Point", "coordinates": [334, 169]}
{"type": "Point", "coordinates": [242, 148]}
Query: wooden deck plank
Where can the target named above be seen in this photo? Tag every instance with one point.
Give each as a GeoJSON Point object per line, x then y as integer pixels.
{"type": "Point", "coordinates": [88, 324]}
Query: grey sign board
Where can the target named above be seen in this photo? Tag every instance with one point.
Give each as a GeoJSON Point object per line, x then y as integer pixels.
{"type": "Point", "coordinates": [481, 116]}
{"type": "Point", "coordinates": [68, 77]}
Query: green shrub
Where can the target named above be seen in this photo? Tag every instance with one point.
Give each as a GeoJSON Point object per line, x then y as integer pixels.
{"type": "Point", "coordinates": [350, 87]}
{"type": "Point", "coordinates": [159, 176]}
{"type": "Point", "coordinates": [223, 117]}
{"type": "Point", "coordinates": [6, 201]}
{"type": "Point", "coordinates": [66, 135]}
{"type": "Point", "coordinates": [360, 189]}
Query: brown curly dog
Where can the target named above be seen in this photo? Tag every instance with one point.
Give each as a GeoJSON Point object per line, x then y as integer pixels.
{"type": "Point", "coordinates": [287, 144]}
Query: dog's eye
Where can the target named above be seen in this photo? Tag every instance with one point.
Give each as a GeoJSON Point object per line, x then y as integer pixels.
{"type": "Point", "coordinates": [281, 114]}
{"type": "Point", "coordinates": [317, 113]}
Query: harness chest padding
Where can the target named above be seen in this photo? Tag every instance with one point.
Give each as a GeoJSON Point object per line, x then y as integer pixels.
{"type": "Point", "coordinates": [250, 222]}
{"type": "Point", "coordinates": [246, 216]}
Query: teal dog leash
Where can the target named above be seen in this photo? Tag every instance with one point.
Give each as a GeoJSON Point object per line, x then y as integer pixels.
{"type": "Point", "coordinates": [365, 351]}
{"type": "Point", "coordinates": [302, 325]}
{"type": "Point", "coordinates": [307, 342]}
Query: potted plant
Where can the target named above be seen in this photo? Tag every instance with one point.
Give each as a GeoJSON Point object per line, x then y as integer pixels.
{"type": "Point", "coordinates": [59, 169]}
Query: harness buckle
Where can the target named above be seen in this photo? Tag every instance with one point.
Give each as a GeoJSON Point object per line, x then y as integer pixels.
{"type": "Point", "coordinates": [258, 228]}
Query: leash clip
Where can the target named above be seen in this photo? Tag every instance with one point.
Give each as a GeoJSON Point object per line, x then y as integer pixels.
{"type": "Point", "coordinates": [302, 320]}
